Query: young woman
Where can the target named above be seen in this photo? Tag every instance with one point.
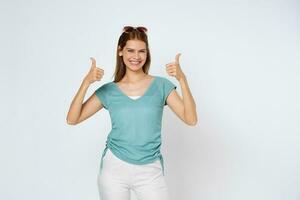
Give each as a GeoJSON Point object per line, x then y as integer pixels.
{"type": "Point", "coordinates": [135, 100]}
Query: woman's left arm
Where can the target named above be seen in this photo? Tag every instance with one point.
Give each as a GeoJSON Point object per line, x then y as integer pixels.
{"type": "Point", "coordinates": [185, 107]}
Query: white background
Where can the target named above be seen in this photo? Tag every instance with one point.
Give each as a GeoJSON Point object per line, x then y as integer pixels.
{"type": "Point", "coordinates": [241, 59]}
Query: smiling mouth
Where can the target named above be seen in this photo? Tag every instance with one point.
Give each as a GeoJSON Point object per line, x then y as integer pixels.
{"type": "Point", "coordinates": [135, 62]}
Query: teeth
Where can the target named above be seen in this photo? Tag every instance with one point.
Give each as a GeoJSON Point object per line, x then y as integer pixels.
{"type": "Point", "coordinates": [134, 62]}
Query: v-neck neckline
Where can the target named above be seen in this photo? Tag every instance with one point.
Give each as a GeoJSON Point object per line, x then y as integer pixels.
{"type": "Point", "coordinates": [141, 96]}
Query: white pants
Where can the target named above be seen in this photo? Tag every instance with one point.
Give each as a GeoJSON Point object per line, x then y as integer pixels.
{"type": "Point", "coordinates": [118, 177]}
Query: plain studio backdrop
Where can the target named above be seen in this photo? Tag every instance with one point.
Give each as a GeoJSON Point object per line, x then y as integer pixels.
{"type": "Point", "coordinates": [241, 59]}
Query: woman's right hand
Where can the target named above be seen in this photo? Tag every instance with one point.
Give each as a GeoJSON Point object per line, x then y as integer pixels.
{"type": "Point", "coordinates": [95, 73]}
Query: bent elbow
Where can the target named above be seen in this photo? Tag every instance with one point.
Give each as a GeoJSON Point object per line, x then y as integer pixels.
{"type": "Point", "coordinates": [193, 123]}
{"type": "Point", "coordinates": [190, 120]}
{"type": "Point", "coordinates": [71, 122]}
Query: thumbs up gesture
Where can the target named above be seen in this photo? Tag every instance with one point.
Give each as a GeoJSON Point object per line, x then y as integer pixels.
{"type": "Point", "coordinates": [173, 68]}
{"type": "Point", "coordinates": [95, 73]}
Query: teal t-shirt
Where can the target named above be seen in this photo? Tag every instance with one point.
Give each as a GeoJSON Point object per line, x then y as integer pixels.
{"type": "Point", "coordinates": [135, 136]}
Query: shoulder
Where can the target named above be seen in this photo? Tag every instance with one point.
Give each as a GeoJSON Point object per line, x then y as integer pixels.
{"type": "Point", "coordinates": [105, 86]}
{"type": "Point", "coordinates": [163, 80]}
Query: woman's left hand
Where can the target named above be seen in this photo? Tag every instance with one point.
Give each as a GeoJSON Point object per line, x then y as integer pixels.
{"type": "Point", "coordinates": [173, 68]}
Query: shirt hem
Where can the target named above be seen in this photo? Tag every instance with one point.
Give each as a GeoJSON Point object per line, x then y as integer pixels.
{"type": "Point", "coordinates": [133, 161]}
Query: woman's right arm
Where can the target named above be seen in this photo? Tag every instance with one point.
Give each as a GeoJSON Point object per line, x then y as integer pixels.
{"type": "Point", "coordinates": [78, 112]}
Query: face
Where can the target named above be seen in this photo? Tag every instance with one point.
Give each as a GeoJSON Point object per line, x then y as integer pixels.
{"type": "Point", "coordinates": [134, 54]}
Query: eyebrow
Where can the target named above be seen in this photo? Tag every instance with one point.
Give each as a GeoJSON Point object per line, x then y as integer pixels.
{"type": "Point", "coordinates": [133, 49]}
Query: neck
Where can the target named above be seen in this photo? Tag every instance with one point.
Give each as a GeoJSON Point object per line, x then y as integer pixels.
{"type": "Point", "coordinates": [134, 77]}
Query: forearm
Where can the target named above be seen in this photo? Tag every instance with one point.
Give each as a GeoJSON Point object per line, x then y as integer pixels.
{"type": "Point", "coordinates": [76, 105]}
{"type": "Point", "coordinates": [190, 113]}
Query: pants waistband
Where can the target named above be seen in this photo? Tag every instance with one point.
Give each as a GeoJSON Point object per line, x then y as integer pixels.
{"type": "Point", "coordinates": [106, 148]}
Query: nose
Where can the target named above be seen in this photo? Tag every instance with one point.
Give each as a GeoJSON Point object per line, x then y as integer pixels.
{"type": "Point", "coordinates": [137, 55]}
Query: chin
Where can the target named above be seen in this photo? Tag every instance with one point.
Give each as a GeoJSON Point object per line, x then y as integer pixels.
{"type": "Point", "coordinates": [135, 68]}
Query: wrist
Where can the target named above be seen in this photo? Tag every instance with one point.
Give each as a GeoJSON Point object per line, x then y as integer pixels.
{"type": "Point", "coordinates": [85, 82]}
{"type": "Point", "coordinates": [182, 78]}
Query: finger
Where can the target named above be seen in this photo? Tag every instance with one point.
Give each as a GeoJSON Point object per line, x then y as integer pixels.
{"type": "Point", "coordinates": [101, 74]}
{"type": "Point", "coordinates": [99, 69]}
{"type": "Point", "coordinates": [172, 63]}
{"type": "Point", "coordinates": [172, 70]}
{"type": "Point", "coordinates": [98, 73]}
{"type": "Point", "coordinates": [177, 57]}
{"type": "Point", "coordinates": [93, 62]}
{"type": "Point", "coordinates": [170, 67]}
{"type": "Point", "coordinates": [171, 74]}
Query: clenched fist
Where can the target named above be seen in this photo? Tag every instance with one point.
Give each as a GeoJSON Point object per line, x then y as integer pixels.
{"type": "Point", "coordinates": [95, 73]}
{"type": "Point", "coordinates": [174, 69]}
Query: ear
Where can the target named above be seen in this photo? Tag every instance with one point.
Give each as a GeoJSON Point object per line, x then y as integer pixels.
{"type": "Point", "coordinates": [120, 51]}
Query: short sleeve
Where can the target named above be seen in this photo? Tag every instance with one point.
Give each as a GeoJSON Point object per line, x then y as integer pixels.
{"type": "Point", "coordinates": [101, 93]}
{"type": "Point", "coordinates": [168, 86]}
